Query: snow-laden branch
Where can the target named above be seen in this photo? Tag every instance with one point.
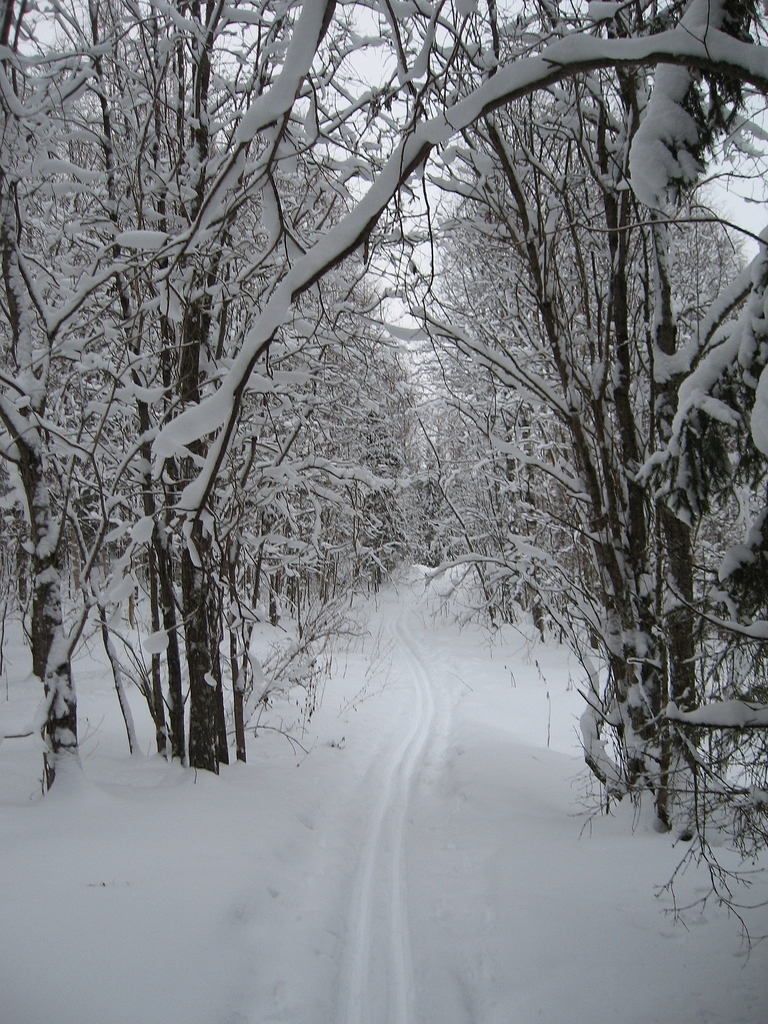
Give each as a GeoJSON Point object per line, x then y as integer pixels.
{"type": "Point", "coordinates": [663, 149]}
{"type": "Point", "coordinates": [701, 49]}
{"type": "Point", "coordinates": [273, 105]}
{"type": "Point", "coordinates": [572, 484]}
{"type": "Point", "coordinates": [695, 392]}
{"type": "Point", "coordinates": [726, 714]}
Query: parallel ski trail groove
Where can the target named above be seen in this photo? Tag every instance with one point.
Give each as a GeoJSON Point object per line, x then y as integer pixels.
{"type": "Point", "coordinates": [382, 868]}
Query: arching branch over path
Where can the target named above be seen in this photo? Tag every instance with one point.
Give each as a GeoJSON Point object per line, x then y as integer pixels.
{"type": "Point", "coordinates": [692, 44]}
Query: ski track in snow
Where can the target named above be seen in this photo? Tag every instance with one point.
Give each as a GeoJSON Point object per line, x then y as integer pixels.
{"type": "Point", "coordinates": [379, 906]}
{"type": "Point", "coordinates": [430, 870]}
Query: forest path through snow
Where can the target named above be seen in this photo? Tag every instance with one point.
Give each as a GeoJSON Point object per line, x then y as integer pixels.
{"type": "Point", "coordinates": [378, 977]}
{"type": "Point", "coordinates": [429, 859]}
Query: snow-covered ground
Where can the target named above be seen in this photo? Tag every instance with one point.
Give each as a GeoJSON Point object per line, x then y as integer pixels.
{"type": "Point", "coordinates": [431, 859]}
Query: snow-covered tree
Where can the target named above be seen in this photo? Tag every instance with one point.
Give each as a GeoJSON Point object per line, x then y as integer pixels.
{"type": "Point", "coordinates": [566, 294]}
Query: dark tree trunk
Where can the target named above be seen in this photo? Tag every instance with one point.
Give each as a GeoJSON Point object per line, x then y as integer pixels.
{"type": "Point", "coordinates": [158, 705]}
{"type": "Point", "coordinates": [680, 681]}
{"type": "Point", "coordinates": [238, 672]}
{"type": "Point", "coordinates": [167, 597]}
{"type": "Point", "coordinates": [207, 732]}
{"type": "Point", "coordinates": [238, 695]}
